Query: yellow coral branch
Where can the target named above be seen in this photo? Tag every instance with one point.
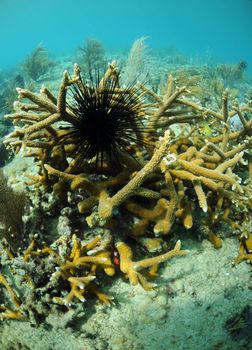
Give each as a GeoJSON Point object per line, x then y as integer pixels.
{"type": "Point", "coordinates": [132, 269]}
{"type": "Point", "coordinates": [106, 204]}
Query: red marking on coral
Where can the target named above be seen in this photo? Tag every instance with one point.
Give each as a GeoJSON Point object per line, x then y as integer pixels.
{"type": "Point", "coordinates": [116, 261]}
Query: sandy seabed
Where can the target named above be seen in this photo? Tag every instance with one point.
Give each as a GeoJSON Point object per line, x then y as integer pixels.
{"type": "Point", "coordinates": [195, 297]}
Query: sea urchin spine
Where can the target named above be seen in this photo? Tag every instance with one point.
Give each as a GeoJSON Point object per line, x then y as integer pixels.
{"type": "Point", "coordinates": [107, 120]}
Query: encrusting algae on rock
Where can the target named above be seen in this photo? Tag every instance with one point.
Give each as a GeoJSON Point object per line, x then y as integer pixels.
{"type": "Point", "coordinates": [127, 154]}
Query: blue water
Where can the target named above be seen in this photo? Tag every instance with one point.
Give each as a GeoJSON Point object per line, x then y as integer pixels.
{"type": "Point", "coordinates": [221, 29]}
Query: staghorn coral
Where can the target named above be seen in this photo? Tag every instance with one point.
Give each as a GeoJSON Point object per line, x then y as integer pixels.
{"type": "Point", "coordinates": [133, 269]}
{"type": "Point", "coordinates": [6, 311]}
{"type": "Point", "coordinates": [245, 249]}
{"type": "Point", "coordinates": [176, 172]}
{"type": "Point", "coordinates": [189, 160]}
{"type": "Point", "coordinates": [77, 267]}
{"type": "Point", "coordinates": [68, 271]}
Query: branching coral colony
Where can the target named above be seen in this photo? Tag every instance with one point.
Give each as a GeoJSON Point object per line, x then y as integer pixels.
{"type": "Point", "coordinates": [154, 175]}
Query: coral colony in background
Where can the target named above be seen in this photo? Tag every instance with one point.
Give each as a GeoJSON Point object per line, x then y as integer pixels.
{"type": "Point", "coordinates": [132, 165]}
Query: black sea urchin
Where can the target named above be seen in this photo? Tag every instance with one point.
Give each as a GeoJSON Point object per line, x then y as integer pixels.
{"type": "Point", "coordinates": [107, 120]}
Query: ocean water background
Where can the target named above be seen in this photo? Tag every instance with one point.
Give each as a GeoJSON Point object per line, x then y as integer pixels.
{"type": "Point", "coordinates": [219, 30]}
{"type": "Point", "coordinates": [198, 293]}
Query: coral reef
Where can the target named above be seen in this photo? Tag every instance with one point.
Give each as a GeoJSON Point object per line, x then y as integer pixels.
{"type": "Point", "coordinates": [231, 73]}
{"type": "Point", "coordinates": [37, 63]}
{"type": "Point", "coordinates": [12, 208]}
{"type": "Point", "coordinates": [182, 174]}
{"type": "Point", "coordinates": [66, 271]}
{"type": "Point", "coordinates": [91, 55]}
{"type": "Point", "coordinates": [8, 93]}
{"type": "Point", "coordinates": [136, 66]}
{"type": "Point", "coordinates": [245, 251]}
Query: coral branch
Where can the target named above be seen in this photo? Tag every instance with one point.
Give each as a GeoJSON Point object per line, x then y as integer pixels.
{"type": "Point", "coordinates": [132, 269]}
